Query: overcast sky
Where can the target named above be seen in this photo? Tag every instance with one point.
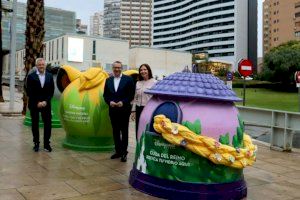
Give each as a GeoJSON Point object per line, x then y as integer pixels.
{"type": "Point", "coordinates": [85, 8]}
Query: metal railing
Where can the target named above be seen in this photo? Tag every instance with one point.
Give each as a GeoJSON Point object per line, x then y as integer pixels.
{"type": "Point", "coordinates": [283, 124]}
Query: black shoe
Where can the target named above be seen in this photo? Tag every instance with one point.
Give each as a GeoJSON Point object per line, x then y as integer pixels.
{"type": "Point", "coordinates": [116, 155]}
{"type": "Point", "coordinates": [36, 147]}
{"type": "Point", "coordinates": [47, 148]}
{"type": "Point", "coordinates": [124, 158]}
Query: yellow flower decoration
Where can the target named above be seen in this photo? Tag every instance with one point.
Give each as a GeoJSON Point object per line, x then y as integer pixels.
{"type": "Point", "coordinates": [204, 146]}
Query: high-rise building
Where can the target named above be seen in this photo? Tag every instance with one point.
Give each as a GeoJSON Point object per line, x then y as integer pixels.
{"type": "Point", "coordinates": [281, 22]}
{"type": "Point", "coordinates": [81, 28]}
{"type": "Point", "coordinates": [225, 30]}
{"type": "Point", "coordinates": [129, 20]}
{"type": "Point", "coordinates": [57, 22]}
{"type": "Point", "coordinates": [96, 24]}
{"type": "Point", "coordinates": [136, 22]}
{"type": "Point", "coordinates": [112, 18]}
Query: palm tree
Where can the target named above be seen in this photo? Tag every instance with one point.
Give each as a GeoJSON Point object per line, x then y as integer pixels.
{"type": "Point", "coordinates": [34, 33]}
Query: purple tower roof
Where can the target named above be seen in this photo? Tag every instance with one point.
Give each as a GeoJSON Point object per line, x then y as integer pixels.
{"type": "Point", "coordinates": [194, 85]}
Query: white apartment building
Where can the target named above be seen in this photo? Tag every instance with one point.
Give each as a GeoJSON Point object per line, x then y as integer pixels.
{"type": "Point", "coordinates": [224, 29]}
{"type": "Point", "coordinates": [79, 51]}
{"type": "Point", "coordinates": [136, 22]}
{"type": "Point", "coordinates": [129, 20]}
{"type": "Point", "coordinates": [96, 24]}
{"type": "Point", "coordinates": [83, 52]}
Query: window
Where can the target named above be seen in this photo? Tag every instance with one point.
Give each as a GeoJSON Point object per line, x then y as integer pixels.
{"type": "Point", "coordinates": [52, 49]}
{"type": "Point", "coordinates": [297, 34]}
{"type": "Point", "coordinates": [45, 51]}
{"type": "Point", "coordinates": [57, 49]}
{"type": "Point", "coordinates": [94, 47]}
{"type": "Point", "coordinates": [62, 48]}
{"type": "Point", "coordinates": [49, 51]}
{"type": "Point", "coordinates": [94, 50]}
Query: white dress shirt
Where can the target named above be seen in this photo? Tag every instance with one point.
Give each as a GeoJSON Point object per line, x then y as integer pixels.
{"type": "Point", "coordinates": [41, 77]}
{"type": "Point", "coordinates": [117, 82]}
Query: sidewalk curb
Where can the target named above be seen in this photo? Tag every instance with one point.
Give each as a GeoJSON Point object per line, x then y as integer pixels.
{"type": "Point", "coordinates": [10, 114]}
{"type": "Point", "coordinates": [265, 144]}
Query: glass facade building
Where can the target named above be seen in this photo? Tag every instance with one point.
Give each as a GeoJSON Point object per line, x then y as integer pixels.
{"type": "Point", "coordinates": [57, 22]}
{"type": "Point", "coordinates": [220, 28]}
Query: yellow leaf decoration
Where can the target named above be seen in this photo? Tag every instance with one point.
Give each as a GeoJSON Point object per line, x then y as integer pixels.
{"type": "Point", "coordinates": [92, 78]}
{"type": "Point", "coordinates": [204, 146]}
{"type": "Point", "coordinates": [88, 82]}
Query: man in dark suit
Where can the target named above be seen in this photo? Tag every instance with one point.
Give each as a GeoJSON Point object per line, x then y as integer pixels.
{"type": "Point", "coordinates": [40, 89]}
{"type": "Point", "coordinates": [118, 94]}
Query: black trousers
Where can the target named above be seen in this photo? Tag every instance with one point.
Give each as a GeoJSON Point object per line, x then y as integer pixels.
{"type": "Point", "coordinates": [138, 111]}
{"type": "Point", "coordinates": [119, 118]}
{"type": "Point", "coordinates": [46, 117]}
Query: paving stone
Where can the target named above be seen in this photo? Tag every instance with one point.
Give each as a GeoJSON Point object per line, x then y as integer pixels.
{"type": "Point", "coordinates": [73, 175]}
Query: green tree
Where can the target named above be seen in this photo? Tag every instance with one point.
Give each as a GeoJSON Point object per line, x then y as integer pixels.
{"type": "Point", "coordinates": [34, 34]}
{"type": "Point", "coordinates": [281, 63]}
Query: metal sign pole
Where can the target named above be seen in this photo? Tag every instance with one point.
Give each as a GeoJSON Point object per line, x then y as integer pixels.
{"type": "Point", "coordinates": [299, 97]}
{"type": "Point", "coordinates": [244, 92]}
{"type": "Point", "coordinates": [245, 69]}
{"type": "Point", "coordinates": [297, 80]}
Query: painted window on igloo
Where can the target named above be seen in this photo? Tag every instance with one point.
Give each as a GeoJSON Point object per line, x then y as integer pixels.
{"type": "Point", "coordinates": [170, 109]}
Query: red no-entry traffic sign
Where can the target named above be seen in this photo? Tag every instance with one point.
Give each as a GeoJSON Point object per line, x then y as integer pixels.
{"type": "Point", "coordinates": [245, 67]}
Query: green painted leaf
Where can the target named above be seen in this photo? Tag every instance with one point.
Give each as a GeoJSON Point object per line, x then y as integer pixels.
{"type": "Point", "coordinates": [61, 106]}
{"type": "Point", "coordinates": [103, 123]}
{"type": "Point", "coordinates": [96, 119]}
{"type": "Point", "coordinates": [224, 139]}
{"type": "Point", "coordinates": [235, 141]}
{"type": "Point", "coordinates": [241, 123]}
{"type": "Point", "coordinates": [195, 127]}
{"type": "Point", "coordinates": [240, 135]}
{"type": "Point", "coordinates": [86, 102]}
{"type": "Point", "coordinates": [184, 123]}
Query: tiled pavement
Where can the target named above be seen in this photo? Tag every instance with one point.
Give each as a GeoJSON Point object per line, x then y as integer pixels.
{"type": "Point", "coordinates": [67, 174]}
